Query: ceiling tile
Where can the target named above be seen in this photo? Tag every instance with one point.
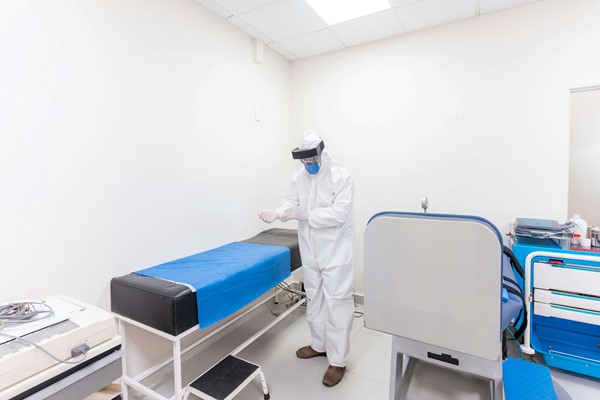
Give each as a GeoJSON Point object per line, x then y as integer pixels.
{"type": "Point", "coordinates": [428, 13]}
{"type": "Point", "coordinates": [488, 6]}
{"type": "Point", "coordinates": [244, 27]}
{"type": "Point", "coordinates": [311, 44]}
{"type": "Point", "coordinates": [242, 6]}
{"type": "Point", "coordinates": [215, 8]}
{"type": "Point", "coordinates": [282, 51]}
{"type": "Point", "coordinates": [284, 19]}
{"type": "Point", "coordinates": [294, 30]}
{"type": "Point", "coordinates": [367, 29]}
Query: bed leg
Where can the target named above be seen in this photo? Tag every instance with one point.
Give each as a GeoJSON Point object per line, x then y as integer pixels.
{"type": "Point", "coordinates": [264, 385]}
{"type": "Point", "coordinates": [124, 388]}
{"type": "Point", "coordinates": [177, 369]}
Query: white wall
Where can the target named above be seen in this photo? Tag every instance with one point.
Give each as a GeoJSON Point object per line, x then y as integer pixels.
{"type": "Point", "coordinates": [474, 114]}
{"type": "Point", "coordinates": [127, 132]}
{"type": "Point", "coordinates": [584, 155]}
{"type": "Point", "coordinates": [127, 139]}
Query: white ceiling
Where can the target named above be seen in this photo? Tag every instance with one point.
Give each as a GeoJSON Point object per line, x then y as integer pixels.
{"type": "Point", "coordinates": [295, 31]}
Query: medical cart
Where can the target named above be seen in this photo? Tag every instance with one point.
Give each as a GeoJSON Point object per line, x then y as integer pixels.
{"type": "Point", "coordinates": [563, 291]}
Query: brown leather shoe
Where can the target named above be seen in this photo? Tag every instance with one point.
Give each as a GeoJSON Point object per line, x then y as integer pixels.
{"type": "Point", "coordinates": [333, 375]}
{"type": "Point", "coordinates": [308, 352]}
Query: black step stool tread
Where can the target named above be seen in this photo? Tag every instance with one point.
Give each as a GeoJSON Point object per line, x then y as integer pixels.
{"type": "Point", "coordinates": [223, 378]}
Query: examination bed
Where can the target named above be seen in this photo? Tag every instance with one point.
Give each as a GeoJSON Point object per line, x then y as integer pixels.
{"type": "Point", "coordinates": [198, 292]}
{"type": "Point", "coordinates": [171, 307]}
{"type": "Point", "coordinates": [435, 283]}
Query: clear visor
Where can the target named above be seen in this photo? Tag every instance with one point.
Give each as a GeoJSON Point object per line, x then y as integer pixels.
{"type": "Point", "coordinates": [310, 160]}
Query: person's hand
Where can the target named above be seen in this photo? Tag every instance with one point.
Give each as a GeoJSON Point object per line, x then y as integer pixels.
{"type": "Point", "coordinates": [295, 213]}
{"type": "Point", "coordinates": [269, 215]}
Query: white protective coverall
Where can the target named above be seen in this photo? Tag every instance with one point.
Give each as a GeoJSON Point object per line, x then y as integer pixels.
{"type": "Point", "coordinates": [326, 246]}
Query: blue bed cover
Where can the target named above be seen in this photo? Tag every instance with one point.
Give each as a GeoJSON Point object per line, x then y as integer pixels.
{"type": "Point", "coordinates": [228, 277]}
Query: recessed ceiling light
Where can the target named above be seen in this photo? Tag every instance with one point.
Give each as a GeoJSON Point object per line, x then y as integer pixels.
{"type": "Point", "coordinates": [336, 11]}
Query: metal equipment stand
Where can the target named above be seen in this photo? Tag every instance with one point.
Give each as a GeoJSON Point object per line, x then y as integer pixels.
{"type": "Point", "coordinates": [443, 290]}
{"type": "Point", "coordinates": [405, 351]}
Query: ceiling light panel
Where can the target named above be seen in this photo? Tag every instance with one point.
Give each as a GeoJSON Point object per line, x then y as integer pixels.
{"type": "Point", "coordinates": [373, 27]}
{"type": "Point", "coordinates": [336, 11]}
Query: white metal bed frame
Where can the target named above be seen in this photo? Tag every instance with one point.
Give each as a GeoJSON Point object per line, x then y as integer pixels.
{"type": "Point", "coordinates": [181, 391]}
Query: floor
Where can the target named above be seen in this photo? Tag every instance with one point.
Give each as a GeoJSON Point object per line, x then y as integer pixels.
{"type": "Point", "coordinates": [367, 375]}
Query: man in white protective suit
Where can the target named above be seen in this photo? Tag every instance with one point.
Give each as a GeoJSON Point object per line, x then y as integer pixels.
{"type": "Point", "coordinates": [320, 195]}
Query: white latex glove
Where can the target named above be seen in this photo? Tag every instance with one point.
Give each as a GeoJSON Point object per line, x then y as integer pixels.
{"type": "Point", "coordinates": [295, 213]}
{"type": "Point", "coordinates": [269, 215]}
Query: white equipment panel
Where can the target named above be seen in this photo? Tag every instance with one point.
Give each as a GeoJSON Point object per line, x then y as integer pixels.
{"type": "Point", "coordinates": [429, 281]}
{"type": "Point", "coordinates": [23, 366]}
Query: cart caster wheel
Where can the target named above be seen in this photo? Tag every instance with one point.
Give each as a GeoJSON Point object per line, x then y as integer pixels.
{"type": "Point", "coordinates": [267, 396]}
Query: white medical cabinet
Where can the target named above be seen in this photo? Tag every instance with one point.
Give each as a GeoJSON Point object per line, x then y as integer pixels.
{"type": "Point", "coordinates": [563, 288]}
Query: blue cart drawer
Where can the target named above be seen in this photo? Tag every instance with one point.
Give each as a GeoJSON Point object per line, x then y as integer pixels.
{"type": "Point", "coordinates": [564, 312]}
{"type": "Point", "coordinates": [578, 301]}
{"type": "Point", "coordinates": [567, 277]}
{"type": "Point", "coordinates": [567, 344]}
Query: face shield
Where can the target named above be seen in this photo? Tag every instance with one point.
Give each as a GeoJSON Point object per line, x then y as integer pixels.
{"type": "Point", "coordinates": [311, 158]}
{"type": "Point", "coordinates": [303, 154]}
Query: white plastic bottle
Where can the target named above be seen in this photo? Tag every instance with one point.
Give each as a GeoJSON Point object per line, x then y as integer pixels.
{"type": "Point", "coordinates": [580, 225]}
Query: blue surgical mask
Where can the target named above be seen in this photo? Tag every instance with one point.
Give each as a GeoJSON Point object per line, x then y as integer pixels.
{"type": "Point", "coordinates": [312, 168]}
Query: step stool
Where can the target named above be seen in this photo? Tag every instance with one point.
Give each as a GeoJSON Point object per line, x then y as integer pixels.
{"type": "Point", "coordinates": [226, 379]}
{"type": "Point", "coordinates": [526, 380]}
